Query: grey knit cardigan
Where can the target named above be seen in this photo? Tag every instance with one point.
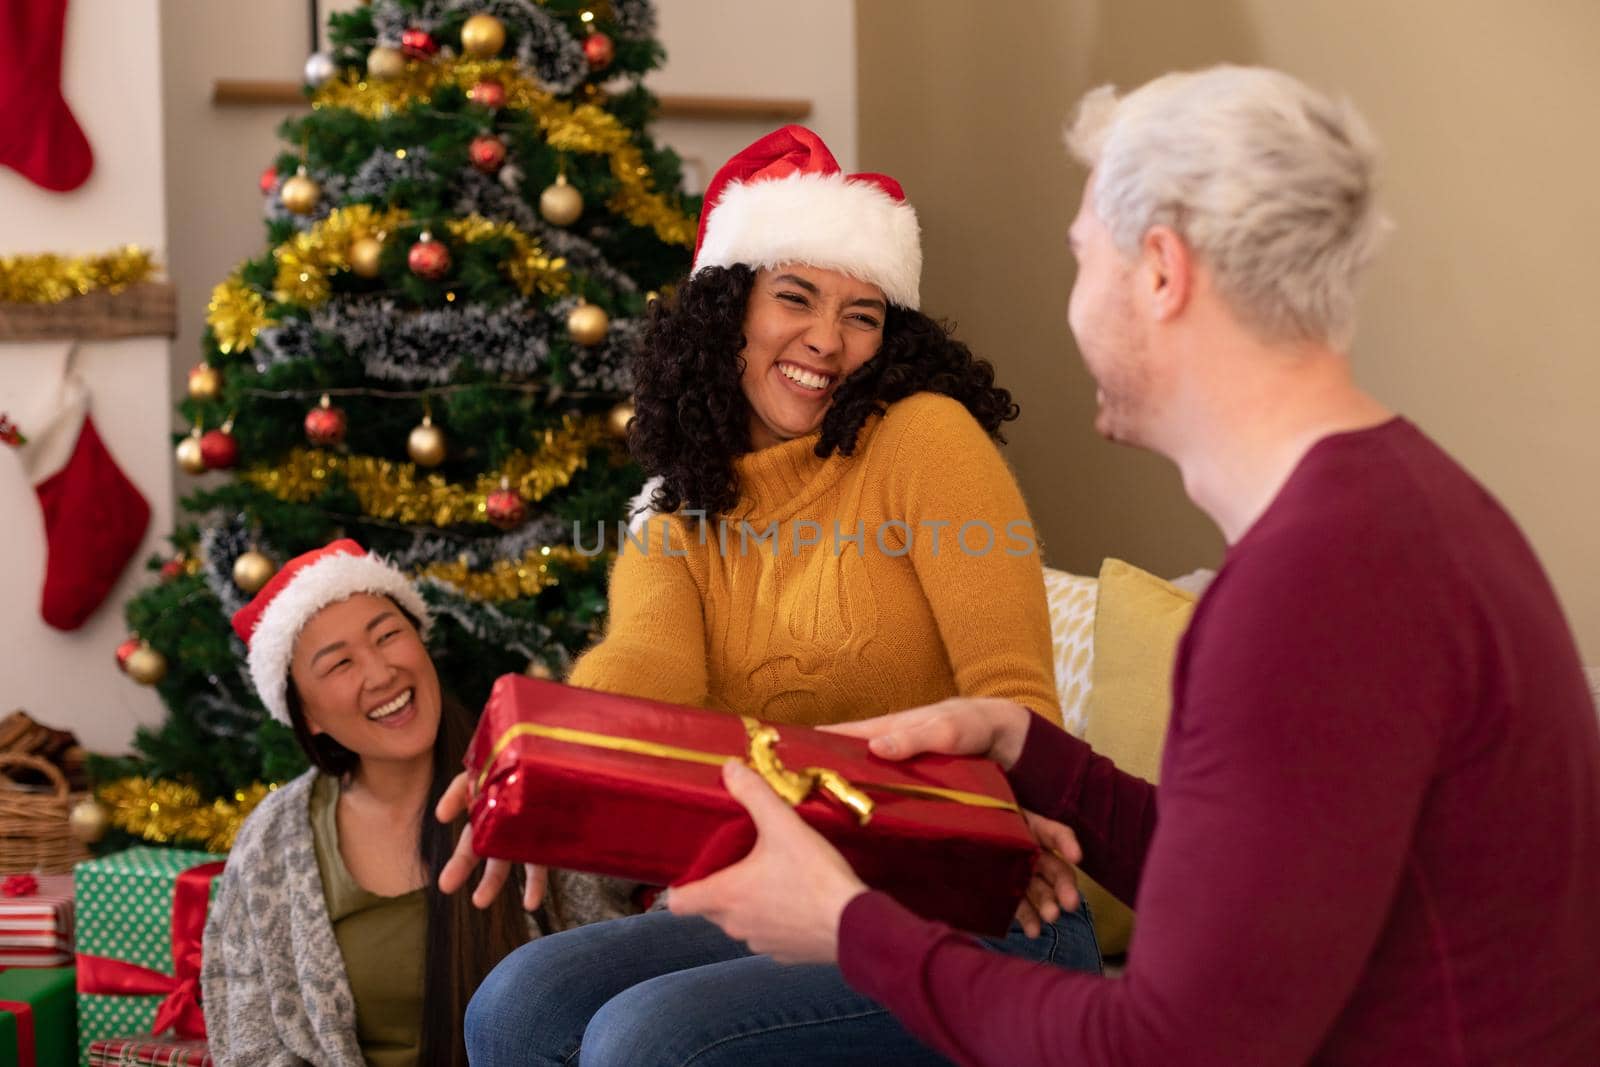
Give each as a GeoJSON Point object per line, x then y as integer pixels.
{"type": "Point", "coordinates": [273, 980]}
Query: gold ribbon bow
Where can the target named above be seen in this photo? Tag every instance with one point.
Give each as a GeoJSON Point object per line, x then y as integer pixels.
{"type": "Point", "coordinates": [761, 756]}
{"type": "Point", "coordinates": [795, 786]}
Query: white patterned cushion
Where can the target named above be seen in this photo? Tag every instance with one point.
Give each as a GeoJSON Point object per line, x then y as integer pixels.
{"type": "Point", "coordinates": [1072, 599]}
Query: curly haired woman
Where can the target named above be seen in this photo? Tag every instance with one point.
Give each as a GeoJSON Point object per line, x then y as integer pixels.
{"type": "Point", "coordinates": [833, 535]}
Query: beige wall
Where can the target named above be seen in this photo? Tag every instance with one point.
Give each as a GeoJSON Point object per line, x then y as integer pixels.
{"type": "Point", "coordinates": [727, 49]}
{"type": "Point", "coordinates": [1478, 320]}
{"type": "Point", "coordinates": [111, 78]}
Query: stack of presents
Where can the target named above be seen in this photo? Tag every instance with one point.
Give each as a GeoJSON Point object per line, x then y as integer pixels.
{"type": "Point", "coordinates": [99, 959]}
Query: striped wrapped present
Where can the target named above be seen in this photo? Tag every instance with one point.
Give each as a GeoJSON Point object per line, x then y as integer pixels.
{"type": "Point", "coordinates": [36, 920]}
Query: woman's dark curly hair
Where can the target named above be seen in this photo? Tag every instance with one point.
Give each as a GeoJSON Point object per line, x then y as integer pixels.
{"type": "Point", "coordinates": [691, 416]}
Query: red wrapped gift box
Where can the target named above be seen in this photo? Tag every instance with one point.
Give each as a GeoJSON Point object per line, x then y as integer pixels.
{"type": "Point", "coordinates": [632, 788]}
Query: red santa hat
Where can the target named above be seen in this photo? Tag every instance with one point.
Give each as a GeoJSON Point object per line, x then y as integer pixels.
{"type": "Point", "coordinates": [784, 200]}
{"type": "Point", "coordinates": [271, 623]}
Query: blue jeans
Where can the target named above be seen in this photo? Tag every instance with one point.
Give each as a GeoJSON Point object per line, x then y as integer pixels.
{"type": "Point", "coordinates": [657, 989]}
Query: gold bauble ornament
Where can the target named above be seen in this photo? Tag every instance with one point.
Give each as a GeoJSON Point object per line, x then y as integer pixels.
{"type": "Point", "coordinates": [365, 255]}
{"type": "Point", "coordinates": [88, 821]}
{"type": "Point", "coordinates": [252, 570]}
{"type": "Point", "coordinates": [145, 665]}
{"type": "Point", "coordinates": [561, 204]}
{"type": "Point", "coordinates": [191, 460]}
{"type": "Point", "coordinates": [587, 324]}
{"type": "Point", "coordinates": [385, 63]}
{"type": "Point", "coordinates": [618, 418]}
{"type": "Point", "coordinates": [539, 669]}
{"type": "Point", "coordinates": [426, 446]}
{"type": "Point", "coordinates": [205, 382]}
{"type": "Point", "coordinates": [483, 36]}
{"type": "Point", "coordinates": [301, 193]}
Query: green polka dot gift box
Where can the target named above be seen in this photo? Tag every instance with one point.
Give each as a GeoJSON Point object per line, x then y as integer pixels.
{"type": "Point", "coordinates": [141, 914]}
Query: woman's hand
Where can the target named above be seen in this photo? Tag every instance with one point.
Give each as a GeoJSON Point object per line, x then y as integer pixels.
{"type": "Point", "coordinates": [1054, 888]}
{"type": "Point", "coordinates": [457, 798]}
{"type": "Point", "coordinates": [960, 726]}
{"type": "Point", "coordinates": [786, 897]}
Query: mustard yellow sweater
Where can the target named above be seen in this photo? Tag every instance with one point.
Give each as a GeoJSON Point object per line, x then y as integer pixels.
{"type": "Point", "coordinates": [744, 614]}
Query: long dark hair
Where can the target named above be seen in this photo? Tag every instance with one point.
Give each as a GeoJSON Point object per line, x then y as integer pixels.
{"type": "Point", "coordinates": [691, 416]}
{"type": "Point", "coordinates": [463, 942]}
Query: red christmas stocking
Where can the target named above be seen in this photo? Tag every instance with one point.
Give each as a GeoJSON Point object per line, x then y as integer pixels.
{"type": "Point", "coordinates": [38, 135]}
{"type": "Point", "coordinates": [94, 517]}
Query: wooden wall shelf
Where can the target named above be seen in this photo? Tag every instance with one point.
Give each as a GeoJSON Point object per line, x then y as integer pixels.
{"type": "Point", "coordinates": [230, 92]}
{"type": "Point", "coordinates": [149, 309]}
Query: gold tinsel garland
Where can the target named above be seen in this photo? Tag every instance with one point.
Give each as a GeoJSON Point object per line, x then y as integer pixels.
{"type": "Point", "coordinates": [395, 491]}
{"type": "Point", "coordinates": [307, 260]}
{"type": "Point", "coordinates": [236, 314]}
{"type": "Point", "coordinates": [164, 811]}
{"type": "Point", "coordinates": [508, 579]}
{"type": "Point", "coordinates": [582, 128]}
{"type": "Point", "coordinates": [530, 268]}
{"type": "Point", "coordinates": [49, 279]}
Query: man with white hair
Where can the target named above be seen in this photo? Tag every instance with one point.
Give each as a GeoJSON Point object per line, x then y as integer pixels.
{"type": "Point", "coordinates": [1377, 836]}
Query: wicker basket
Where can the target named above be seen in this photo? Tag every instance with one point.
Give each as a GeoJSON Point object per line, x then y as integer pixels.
{"type": "Point", "coordinates": [35, 834]}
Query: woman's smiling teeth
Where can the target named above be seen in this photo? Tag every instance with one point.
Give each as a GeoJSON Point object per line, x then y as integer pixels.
{"type": "Point", "coordinates": [801, 376]}
{"type": "Point", "coordinates": [395, 705]}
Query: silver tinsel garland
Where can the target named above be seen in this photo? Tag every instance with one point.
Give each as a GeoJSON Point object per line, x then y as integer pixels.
{"type": "Point", "coordinates": [607, 366]}
{"type": "Point", "coordinates": [478, 552]}
{"type": "Point", "coordinates": [373, 180]}
{"type": "Point", "coordinates": [220, 545]}
{"type": "Point", "coordinates": [396, 345]}
{"type": "Point", "coordinates": [546, 47]}
{"type": "Point", "coordinates": [636, 19]}
{"type": "Point", "coordinates": [489, 625]}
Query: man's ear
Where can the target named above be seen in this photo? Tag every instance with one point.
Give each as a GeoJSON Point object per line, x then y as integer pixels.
{"type": "Point", "coordinates": [1168, 266]}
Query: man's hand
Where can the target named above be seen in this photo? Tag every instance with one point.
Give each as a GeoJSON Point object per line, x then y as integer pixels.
{"type": "Point", "coordinates": [960, 726]}
{"type": "Point", "coordinates": [452, 805]}
{"type": "Point", "coordinates": [1054, 888]}
{"type": "Point", "coordinates": [785, 899]}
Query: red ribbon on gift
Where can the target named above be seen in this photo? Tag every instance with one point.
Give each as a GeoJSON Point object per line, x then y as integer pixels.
{"type": "Point", "coordinates": [181, 1008]}
{"type": "Point", "coordinates": [26, 1055]}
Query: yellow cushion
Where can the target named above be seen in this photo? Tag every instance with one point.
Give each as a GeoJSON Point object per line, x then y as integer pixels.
{"type": "Point", "coordinates": [1138, 622]}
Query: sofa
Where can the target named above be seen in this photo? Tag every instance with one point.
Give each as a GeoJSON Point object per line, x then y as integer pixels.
{"type": "Point", "coordinates": [1115, 638]}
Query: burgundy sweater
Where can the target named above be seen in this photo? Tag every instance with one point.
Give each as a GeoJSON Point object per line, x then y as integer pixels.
{"type": "Point", "coordinates": [1379, 831]}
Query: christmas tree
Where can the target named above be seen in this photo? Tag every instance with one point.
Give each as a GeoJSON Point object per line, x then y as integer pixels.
{"type": "Point", "coordinates": [431, 357]}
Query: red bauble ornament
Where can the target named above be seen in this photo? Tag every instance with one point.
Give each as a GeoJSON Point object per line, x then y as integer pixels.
{"type": "Point", "coordinates": [487, 153]}
{"type": "Point", "coordinates": [428, 258]}
{"type": "Point", "coordinates": [598, 50]}
{"type": "Point", "coordinates": [219, 448]}
{"type": "Point", "coordinates": [325, 424]}
{"type": "Point", "coordinates": [505, 507]}
{"type": "Point", "coordinates": [269, 178]}
{"type": "Point", "coordinates": [418, 44]}
{"type": "Point", "coordinates": [489, 94]}
{"type": "Point", "coordinates": [128, 648]}
{"type": "Point", "coordinates": [169, 570]}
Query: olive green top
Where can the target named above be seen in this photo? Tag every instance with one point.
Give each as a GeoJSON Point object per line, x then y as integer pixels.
{"type": "Point", "coordinates": [382, 940]}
